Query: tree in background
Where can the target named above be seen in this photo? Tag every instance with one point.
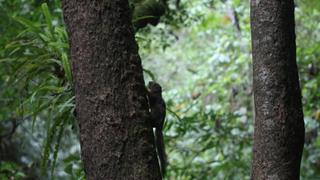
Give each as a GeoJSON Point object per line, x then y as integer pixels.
{"type": "Point", "coordinates": [279, 127]}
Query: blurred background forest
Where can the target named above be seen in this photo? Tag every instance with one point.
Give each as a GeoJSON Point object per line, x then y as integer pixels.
{"type": "Point", "coordinates": [200, 52]}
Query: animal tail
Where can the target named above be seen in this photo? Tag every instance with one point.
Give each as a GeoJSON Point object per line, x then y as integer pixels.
{"type": "Point", "coordinates": [161, 151]}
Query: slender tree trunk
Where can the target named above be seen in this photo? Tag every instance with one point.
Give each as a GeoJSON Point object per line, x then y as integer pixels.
{"type": "Point", "coordinates": [115, 133]}
{"type": "Point", "coordinates": [279, 126]}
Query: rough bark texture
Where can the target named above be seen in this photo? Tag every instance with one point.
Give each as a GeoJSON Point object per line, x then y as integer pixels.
{"type": "Point", "coordinates": [279, 126]}
{"type": "Point", "coordinates": [115, 134]}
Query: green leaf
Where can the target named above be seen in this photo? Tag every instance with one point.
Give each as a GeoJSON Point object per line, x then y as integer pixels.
{"type": "Point", "coordinates": [66, 66]}
{"type": "Point", "coordinates": [6, 60]}
{"type": "Point", "coordinates": [68, 169]}
{"type": "Point", "coordinates": [68, 103]}
{"type": "Point", "coordinates": [49, 141]}
{"type": "Point", "coordinates": [48, 17]}
{"type": "Point", "coordinates": [71, 158]}
{"type": "Point", "coordinates": [44, 37]}
{"type": "Point", "coordinates": [27, 23]}
{"type": "Point", "coordinates": [57, 146]}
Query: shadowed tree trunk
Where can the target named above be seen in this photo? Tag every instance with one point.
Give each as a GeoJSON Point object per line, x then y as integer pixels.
{"type": "Point", "coordinates": [279, 126]}
{"type": "Point", "coordinates": [115, 134]}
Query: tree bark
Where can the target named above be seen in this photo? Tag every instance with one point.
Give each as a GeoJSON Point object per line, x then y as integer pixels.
{"type": "Point", "coordinates": [279, 126]}
{"type": "Point", "coordinates": [111, 100]}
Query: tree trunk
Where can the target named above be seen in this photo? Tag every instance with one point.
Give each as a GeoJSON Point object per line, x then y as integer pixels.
{"type": "Point", "coordinates": [112, 109]}
{"type": "Point", "coordinates": [279, 126]}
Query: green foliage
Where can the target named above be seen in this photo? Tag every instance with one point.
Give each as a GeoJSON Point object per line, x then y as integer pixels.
{"type": "Point", "coordinates": [10, 170]}
{"type": "Point", "coordinates": [308, 55]}
{"type": "Point", "coordinates": [38, 56]}
{"type": "Point", "coordinates": [207, 73]}
{"type": "Point", "coordinates": [73, 167]}
{"type": "Point", "coordinates": [38, 73]}
{"type": "Point", "coordinates": [196, 53]}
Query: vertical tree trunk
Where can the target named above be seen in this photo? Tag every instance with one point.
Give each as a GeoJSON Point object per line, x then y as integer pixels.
{"type": "Point", "coordinates": [115, 133]}
{"type": "Point", "coordinates": [279, 126]}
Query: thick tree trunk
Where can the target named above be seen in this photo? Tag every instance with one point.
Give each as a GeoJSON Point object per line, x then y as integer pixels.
{"type": "Point", "coordinates": [279, 126]}
{"type": "Point", "coordinates": [115, 134]}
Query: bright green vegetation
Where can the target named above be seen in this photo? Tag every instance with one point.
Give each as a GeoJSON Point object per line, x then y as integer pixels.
{"type": "Point", "coordinates": [196, 52]}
